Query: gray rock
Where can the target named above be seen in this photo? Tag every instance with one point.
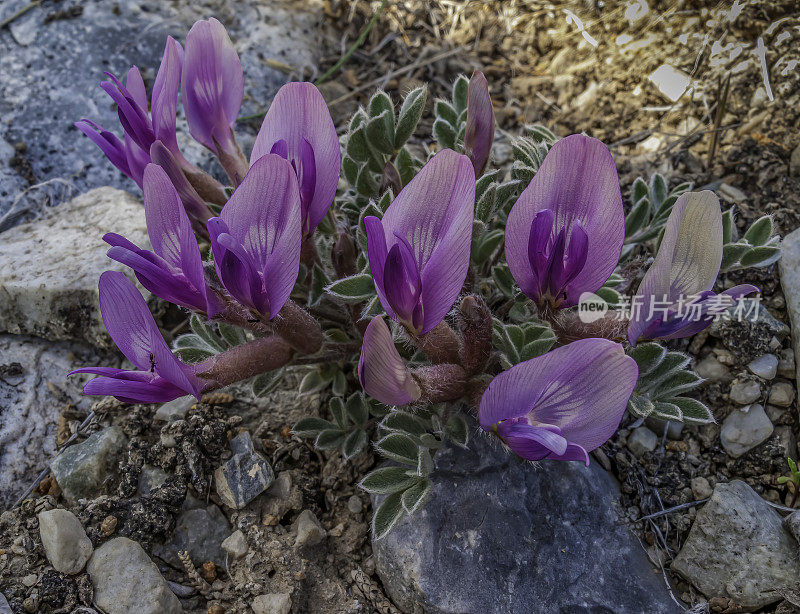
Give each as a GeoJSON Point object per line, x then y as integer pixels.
{"type": "Point", "coordinates": [272, 603]}
{"type": "Point", "coordinates": [794, 162]}
{"type": "Point", "coordinates": [51, 291]}
{"type": "Point", "coordinates": [745, 391]}
{"type": "Point", "coordinates": [701, 489]}
{"type": "Point", "coordinates": [753, 312]}
{"type": "Point", "coordinates": [642, 440]}
{"type": "Point", "coordinates": [235, 545]}
{"type": "Point", "coordinates": [786, 365]}
{"type": "Point", "coordinates": [65, 543]}
{"type": "Point", "coordinates": [782, 394]}
{"type": "Point", "coordinates": [792, 524]}
{"type": "Point", "coordinates": [244, 476]}
{"type": "Point", "coordinates": [126, 581]}
{"type": "Point", "coordinates": [4, 607]}
{"type": "Point", "coordinates": [81, 470]}
{"type": "Point", "coordinates": [34, 389]}
{"type": "Point", "coordinates": [354, 504]}
{"type": "Point", "coordinates": [713, 370]}
{"type": "Point", "coordinates": [738, 549]}
{"type": "Point", "coordinates": [744, 429]}
{"type": "Point", "coordinates": [504, 536]}
{"type": "Point", "coordinates": [789, 266]}
{"type": "Point", "coordinates": [73, 53]}
{"type": "Point", "coordinates": [765, 367]}
{"type": "Point", "coordinates": [309, 530]}
{"type": "Point", "coordinates": [175, 409]}
{"type": "Point", "coordinates": [786, 439]}
{"type": "Point", "coordinates": [150, 478]}
{"type": "Point", "coordinates": [200, 532]}
{"type": "Point", "coordinates": [674, 429]}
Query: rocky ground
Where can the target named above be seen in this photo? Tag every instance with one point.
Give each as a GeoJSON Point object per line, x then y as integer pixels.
{"type": "Point", "coordinates": [215, 507]}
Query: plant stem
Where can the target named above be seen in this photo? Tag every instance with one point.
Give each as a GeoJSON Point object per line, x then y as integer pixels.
{"type": "Point", "coordinates": [243, 361]}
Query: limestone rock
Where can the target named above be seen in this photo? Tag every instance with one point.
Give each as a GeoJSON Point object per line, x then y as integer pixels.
{"type": "Point", "coordinates": [744, 429]}
{"type": "Point", "coordinates": [789, 265]}
{"type": "Point", "coordinates": [782, 394]}
{"type": "Point", "coordinates": [65, 542]}
{"type": "Point", "coordinates": [765, 367]}
{"type": "Point", "coordinates": [309, 530]}
{"type": "Point", "coordinates": [175, 409]}
{"type": "Point", "coordinates": [745, 391]}
{"type": "Point", "coordinates": [713, 370]}
{"type": "Point", "coordinates": [272, 603]}
{"type": "Point", "coordinates": [738, 549]}
{"type": "Point", "coordinates": [235, 545]}
{"type": "Point", "coordinates": [642, 440]}
{"type": "Point", "coordinates": [244, 476]}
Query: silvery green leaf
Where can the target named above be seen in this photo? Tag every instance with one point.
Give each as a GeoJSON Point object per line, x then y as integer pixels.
{"type": "Point", "coordinates": [404, 422]}
{"type": "Point", "coordinates": [760, 231]}
{"type": "Point", "coordinates": [409, 115]}
{"type": "Point", "coordinates": [760, 256]}
{"type": "Point", "coordinates": [506, 192]}
{"type": "Point", "coordinates": [359, 118]}
{"type": "Point", "coordinates": [503, 279]}
{"type": "Point", "coordinates": [444, 133]}
{"type": "Point", "coordinates": [610, 296]}
{"type": "Point", "coordinates": [372, 308]}
{"type": "Point", "coordinates": [313, 382]}
{"type": "Point", "coordinates": [329, 439]}
{"type": "Point", "coordinates": [647, 356]}
{"type": "Point", "coordinates": [680, 382]}
{"type": "Point", "coordinates": [311, 427]}
{"type": "Point", "coordinates": [484, 206]}
{"type": "Point", "coordinates": [387, 515]}
{"type": "Point", "coordinates": [357, 147]}
{"type": "Point", "coordinates": [338, 411]}
{"type": "Point", "coordinates": [732, 253]}
{"type": "Point", "coordinates": [318, 282]}
{"type": "Point", "coordinates": [639, 190]}
{"type": "Point", "coordinates": [658, 190]}
{"type": "Point", "coordinates": [350, 169]}
{"type": "Point", "coordinates": [614, 280]}
{"type": "Point", "coordinates": [386, 200]}
{"type": "Point", "coordinates": [415, 497]}
{"type": "Point", "coordinates": [380, 103]}
{"type": "Point", "coordinates": [457, 430]}
{"type": "Point", "coordinates": [537, 132]}
{"type": "Point", "coordinates": [730, 233]}
{"type": "Point", "coordinates": [637, 217]}
{"type": "Point", "coordinates": [425, 463]}
{"type": "Point", "coordinates": [353, 289]}
{"type": "Point", "coordinates": [486, 244]}
{"type": "Point", "coordinates": [380, 133]}
{"type": "Point", "coordinates": [339, 384]}
{"type": "Point", "coordinates": [405, 166]}
{"type": "Point", "coordinates": [429, 441]}
{"type": "Point", "coordinates": [460, 92]}
{"type": "Point", "coordinates": [205, 331]}
{"type": "Point", "coordinates": [365, 182]}
{"type": "Point", "coordinates": [192, 355]}
{"type": "Point", "coordinates": [193, 341]}
{"type": "Point", "coordinates": [357, 408]}
{"type": "Point", "coordinates": [667, 411]}
{"type": "Point", "coordinates": [400, 448]}
{"type": "Point", "coordinates": [233, 335]}
{"type": "Point", "coordinates": [640, 406]}
{"type": "Point", "coordinates": [387, 480]}
{"type": "Point", "coordinates": [484, 182]}
{"type": "Point", "coordinates": [354, 443]}
{"type": "Point", "coordinates": [267, 382]}
{"type": "Point", "coordinates": [693, 410]}
{"type": "Point", "coordinates": [444, 110]}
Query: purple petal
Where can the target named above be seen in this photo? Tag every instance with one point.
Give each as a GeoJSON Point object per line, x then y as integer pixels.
{"type": "Point", "coordinates": [381, 369]}
{"type": "Point", "coordinates": [236, 269]}
{"type": "Point", "coordinates": [479, 131]}
{"type": "Point", "coordinates": [434, 214]}
{"type": "Point", "coordinates": [212, 84]}
{"type": "Point", "coordinates": [582, 388]}
{"type": "Point", "coordinates": [137, 159]}
{"type": "Point", "coordinates": [156, 390]}
{"type": "Point", "coordinates": [193, 203]}
{"type": "Point", "coordinates": [531, 442]}
{"type": "Point", "coordinates": [165, 96]}
{"type": "Point", "coordinates": [377, 253]}
{"type": "Point", "coordinates": [108, 142]}
{"type": "Point", "coordinates": [299, 113]}
{"type": "Point", "coordinates": [578, 182]}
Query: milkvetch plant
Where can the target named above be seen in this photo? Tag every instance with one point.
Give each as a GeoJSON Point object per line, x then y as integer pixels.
{"type": "Point", "coordinates": [416, 288]}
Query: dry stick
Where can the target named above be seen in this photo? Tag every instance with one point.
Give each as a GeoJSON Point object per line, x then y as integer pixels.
{"type": "Point", "coordinates": [722, 99]}
{"type": "Point", "coordinates": [19, 13]}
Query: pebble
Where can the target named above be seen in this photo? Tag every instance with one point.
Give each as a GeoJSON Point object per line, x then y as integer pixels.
{"type": "Point", "coordinates": [108, 526]}
{"type": "Point", "coordinates": [245, 476]}
{"type": "Point", "coordinates": [656, 425]}
{"type": "Point", "coordinates": [30, 580]}
{"type": "Point", "coordinates": [200, 532]}
{"type": "Point", "coordinates": [792, 524]}
{"type": "Point", "coordinates": [66, 545]}
{"type": "Point", "coordinates": [701, 488]}
{"type": "Point", "coordinates": [782, 394]}
{"type": "Point", "coordinates": [126, 581]}
{"type": "Point", "coordinates": [175, 409]}
{"type": "Point", "coordinates": [354, 504]}
{"type": "Point", "coordinates": [272, 603]}
{"type": "Point", "coordinates": [786, 365]}
{"type": "Point", "coordinates": [794, 162]}
{"type": "Point", "coordinates": [713, 370]}
{"type": "Point", "coordinates": [235, 545]}
{"type": "Point", "coordinates": [745, 391]}
{"type": "Point", "coordinates": [765, 367]}
{"type": "Point", "coordinates": [744, 429]}
{"type": "Point", "coordinates": [642, 440]}
{"type": "Point", "coordinates": [4, 607]}
{"type": "Point", "coordinates": [309, 530]}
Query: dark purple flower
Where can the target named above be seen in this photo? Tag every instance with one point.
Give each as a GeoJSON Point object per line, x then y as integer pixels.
{"type": "Point", "coordinates": [256, 238]}
{"type": "Point", "coordinates": [212, 87]}
{"type": "Point", "coordinates": [381, 369]}
{"type": "Point", "coordinates": [192, 201]}
{"type": "Point", "coordinates": [479, 131]}
{"type": "Point", "coordinates": [675, 299]}
{"type": "Point", "coordinates": [161, 376]}
{"type": "Point", "coordinates": [108, 142]}
{"type": "Point", "coordinates": [174, 269]}
{"type": "Point", "coordinates": [563, 404]}
{"type": "Point", "coordinates": [298, 127]}
{"type": "Point", "coordinates": [164, 98]}
{"type": "Point", "coordinates": [419, 251]}
{"type": "Point", "coordinates": [564, 234]}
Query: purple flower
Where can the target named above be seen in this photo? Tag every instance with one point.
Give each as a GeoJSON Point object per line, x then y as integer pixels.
{"type": "Point", "coordinates": [419, 251]}
{"type": "Point", "coordinates": [212, 87]}
{"type": "Point", "coordinates": [164, 98]}
{"type": "Point", "coordinates": [108, 142]}
{"type": "Point", "coordinates": [479, 131]}
{"type": "Point", "coordinates": [192, 201]}
{"type": "Point", "coordinates": [564, 234]}
{"type": "Point", "coordinates": [298, 127]}
{"type": "Point", "coordinates": [256, 238]}
{"type": "Point", "coordinates": [174, 269]}
{"type": "Point", "coordinates": [561, 405]}
{"type": "Point", "coordinates": [381, 370]}
{"type": "Point", "coordinates": [675, 298]}
{"type": "Point", "coordinates": [161, 376]}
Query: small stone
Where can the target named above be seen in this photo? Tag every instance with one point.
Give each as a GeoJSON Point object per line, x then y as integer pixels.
{"type": "Point", "coordinates": [701, 489]}
{"type": "Point", "coordinates": [642, 440]}
{"type": "Point", "coordinates": [126, 581]}
{"type": "Point", "coordinates": [789, 266]}
{"type": "Point", "coordinates": [774, 413]}
{"type": "Point", "coordinates": [272, 603]}
{"type": "Point", "coordinates": [354, 504]}
{"type": "Point", "coordinates": [215, 609]}
{"type": "Point", "coordinates": [175, 409]}
{"type": "Point", "coordinates": [4, 607]}
{"type": "Point", "coordinates": [674, 429]}
{"type": "Point", "coordinates": [782, 394]}
{"type": "Point", "coordinates": [745, 391]}
{"type": "Point", "coordinates": [200, 532]}
{"type": "Point", "coordinates": [785, 438]}
{"type": "Point", "coordinates": [209, 571]}
{"type": "Point", "coordinates": [309, 530]}
{"type": "Point", "coordinates": [150, 478]}
{"type": "Point", "coordinates": [786, 366]}
{"type": "Point", "coordinates": [792, 524]}
{"type": "Point", "coordinates": [81, 470]}
{"type": "Point", "coordinates": [30, 580]}
{"type": "Point", "coordinates": [744, 429]}
{"type": "Point", "coordinates": [108, 526]}
{"type": "Point", "coordinates": [245, 476]}
{"type": "Point", "coordinates": [29, 605]}
{"type": "Point", "coordinates": [713, 370]}
{"type": "Point", "coordinates": [765, 367]}
{"type": "Point", "coordinates": [235, 545]}
{"type": "Point", "coordinates": [66, 545]}
{"type": "Point", "coordinates": [282, 486]}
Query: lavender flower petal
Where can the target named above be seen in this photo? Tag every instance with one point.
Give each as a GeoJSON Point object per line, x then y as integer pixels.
{"type": "Point", "coordinates": [479, 131]}
{"type": "Point", "coordinates": [381, 369]}
{"type": "Point", "coordinates": [165, 97]}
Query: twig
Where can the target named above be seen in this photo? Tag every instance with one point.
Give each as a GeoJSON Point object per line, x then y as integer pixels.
{"type": "Point", "coordinates": [669, 510]}
{"type": "Point", "coordinates": [761, 52]}
{"type": "Point", "coordinates": [722, 99]}
{"type": "Point", "coordinates": [19, 13]}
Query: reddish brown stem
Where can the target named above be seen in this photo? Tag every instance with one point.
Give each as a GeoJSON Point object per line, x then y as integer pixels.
{"type": "Point", "coordinates": [298, 328]}
{"type": "Point", "coordinates": [476, 332]}
{"type": "Point", "coordinates": [244, 361]}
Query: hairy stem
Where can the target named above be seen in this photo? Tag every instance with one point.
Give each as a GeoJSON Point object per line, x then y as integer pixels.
{"type": "Point", "coordinates": [476, 331]}
{"type": "Point", "coordinates": [440, 383]}
{"type": "Point", "coordinates": [440, 345]}
{"type": "Point", "coordinates": [243, 361]}
{"type": "Point", "coordinates": [298, 328]}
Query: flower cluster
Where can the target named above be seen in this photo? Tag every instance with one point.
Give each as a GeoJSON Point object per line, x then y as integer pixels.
{"type": "Point", "coordinates": [448, 284]}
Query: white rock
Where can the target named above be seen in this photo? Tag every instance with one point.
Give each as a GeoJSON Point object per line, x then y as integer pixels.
{"type": "Point", "coordinates": [65, 542]}
{"type": "Point", "coordinates": [272, 603]}
{"type": "Point", "coordinates": [51, 291]}
{"type": "Point", "coordinates": [175, 409]}
{"type": "Point", "coordinates": [642, 440]}
{"type": "Point", "coordinates": [701, 488]}
{"type": "Point", "coordinates": [713, 370]}
{"type": "Point", "coordinates": [744, 429]}
{"type": "Point", "coordinates": [782, 394]}
{"type": "Point", "coordinates": [309, 530]}
{"type": "Point", "coordinates": [789, 266]}
{"type": "Point", "coordinates": [235, 545]}
{"type": "Point", "coordinates": [766, 366]}
{"type": "Point", "coordinates": [745, 392]}
{"type": "Point", "coordinates": [126, 581]}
